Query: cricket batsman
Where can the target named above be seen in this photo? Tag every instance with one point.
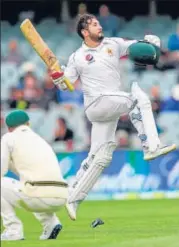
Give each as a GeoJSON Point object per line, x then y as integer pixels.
{"type": "Point", "coordinates": [96, 63]}
{"type": "Point", "coordinates": [41, 189]}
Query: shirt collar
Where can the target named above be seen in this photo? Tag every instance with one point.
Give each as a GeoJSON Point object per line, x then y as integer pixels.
{"type": "Point", "coordinates": [86, 48]}
{"type": "Point", "coordinates": [22, 127]}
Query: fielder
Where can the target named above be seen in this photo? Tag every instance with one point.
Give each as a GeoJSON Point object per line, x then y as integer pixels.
{"type": "Point", "coordinates": [96, 63]}
{"type": "Point", "coordinates": [41, 189]}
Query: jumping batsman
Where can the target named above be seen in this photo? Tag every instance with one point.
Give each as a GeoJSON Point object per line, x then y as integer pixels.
{"type": "Point", "coordinates": [41, 189]}
{"type": "Point", "coordinates": [96, 63]}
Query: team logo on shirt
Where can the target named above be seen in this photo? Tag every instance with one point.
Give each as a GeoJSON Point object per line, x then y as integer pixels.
{"type": "Point", "coordinates": [89, 58]}
{"type": "Point", "coordinates": [109, 51]}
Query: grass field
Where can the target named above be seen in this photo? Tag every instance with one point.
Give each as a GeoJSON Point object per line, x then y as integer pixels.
{"type": "Point", "coordinates": [152, 223]}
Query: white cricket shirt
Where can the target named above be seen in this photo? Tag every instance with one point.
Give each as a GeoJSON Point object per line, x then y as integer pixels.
{"type": "Point", "coordinates": [29, 156]}
{"type": "Point", "coordinates": [98, 68]}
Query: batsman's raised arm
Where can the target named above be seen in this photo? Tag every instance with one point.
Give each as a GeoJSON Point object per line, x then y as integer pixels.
{"type": "Point", "coordinates": [69, 72]}
{"type": "Point", "coordinates": [129, 47]}
{"type": "Point", "coordinates": [123, 45]}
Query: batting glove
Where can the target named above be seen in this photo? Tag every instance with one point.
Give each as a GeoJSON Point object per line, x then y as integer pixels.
{"type": "Point", "coordinates": [153, 39]}
{"type": "Point", "coordinates": [58, 79]}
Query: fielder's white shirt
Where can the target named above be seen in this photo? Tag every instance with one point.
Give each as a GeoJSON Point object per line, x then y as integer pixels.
{"type": "Point", "coordinates": [98, 68]}
{"type": "Point", "coordinates": [29, 156]}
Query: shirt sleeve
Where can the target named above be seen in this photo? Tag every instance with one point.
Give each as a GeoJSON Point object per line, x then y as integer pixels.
{"type": "Point", "coordinates": [123, 45]}
{"type": "Point", "coordinates": [5, 154]}
{"type": "Point", "coordinates": [71, 71]}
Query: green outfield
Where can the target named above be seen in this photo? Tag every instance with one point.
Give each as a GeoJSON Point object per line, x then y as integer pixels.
{"type": "Point", "coordinates": [152, 223]}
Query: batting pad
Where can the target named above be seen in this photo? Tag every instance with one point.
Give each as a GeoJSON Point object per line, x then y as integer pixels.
{"type": "Point", "coordinates": [147, 117]}
{"type": "Point", "coordinates": [101, 160]}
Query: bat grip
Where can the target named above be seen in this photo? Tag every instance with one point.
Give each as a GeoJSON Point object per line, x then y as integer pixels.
{"type": "Point", "coordinates": [68, 84]}
{"type": "Point", "coordinates": [57, 67]}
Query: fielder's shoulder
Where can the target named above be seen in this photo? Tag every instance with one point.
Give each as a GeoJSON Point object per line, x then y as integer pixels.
{"type": "Point", "coordinates": [7, 138]}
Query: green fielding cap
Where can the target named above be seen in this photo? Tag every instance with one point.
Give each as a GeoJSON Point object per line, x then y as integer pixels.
{"type": "Point", "coordinates": [16, 118]}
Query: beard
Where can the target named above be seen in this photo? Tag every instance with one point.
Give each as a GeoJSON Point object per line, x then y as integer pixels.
{"type": "Point", "coordinates": [97, 38]}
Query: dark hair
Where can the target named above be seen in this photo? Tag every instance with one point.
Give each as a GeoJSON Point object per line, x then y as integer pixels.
{"type": "Point", "coordinates": [83, 22]}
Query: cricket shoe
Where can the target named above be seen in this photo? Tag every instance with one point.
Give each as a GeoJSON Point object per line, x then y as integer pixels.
{"type": "Point", "coordinates": [8, 235]}
{"type": "Point", "coordinates": [51, 231]}
{"type": "Point", "coordinates": [160, 151]}
{"type": "Point", "coordinates": [72, 209]}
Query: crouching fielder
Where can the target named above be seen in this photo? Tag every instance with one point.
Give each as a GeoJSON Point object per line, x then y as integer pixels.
{"type": "Point", "coordinates": [41, 189]}
{"type": "Point", "coordinates": [97, 65]}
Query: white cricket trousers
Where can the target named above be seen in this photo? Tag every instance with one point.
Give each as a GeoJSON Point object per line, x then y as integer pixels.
{"type": "Point", "coordinates": [12, 197]}
{"type": "Point", "coordinates": [104, 114]}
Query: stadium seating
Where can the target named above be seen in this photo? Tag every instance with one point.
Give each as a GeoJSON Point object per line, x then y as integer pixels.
{"type": "Point", "coordinates": [63, 44]}
{"type": "Point", "coordinates": [44, 123]}
{"type": "Point", "coordinates": [168, 122]}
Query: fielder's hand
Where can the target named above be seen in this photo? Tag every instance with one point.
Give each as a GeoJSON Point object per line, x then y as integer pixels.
{"type": "Point", "coordinates": [153, 39]}
{"type": "Point", "coordinates": [58, 79]}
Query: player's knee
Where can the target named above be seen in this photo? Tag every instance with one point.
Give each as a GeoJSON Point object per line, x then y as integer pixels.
{"type": "Point", "coordinates": [103, 156]}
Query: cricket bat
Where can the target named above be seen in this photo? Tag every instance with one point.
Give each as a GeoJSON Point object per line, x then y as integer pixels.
{"type": "Point", "coordinates": [42, 49]}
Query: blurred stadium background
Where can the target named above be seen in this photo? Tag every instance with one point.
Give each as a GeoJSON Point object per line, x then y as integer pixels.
{"type": "Point", "coordinates": [59, 116]}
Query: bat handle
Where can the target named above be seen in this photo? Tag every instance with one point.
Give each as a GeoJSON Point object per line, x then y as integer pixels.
{"type": "Point", "coordinates": [68, 84]}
